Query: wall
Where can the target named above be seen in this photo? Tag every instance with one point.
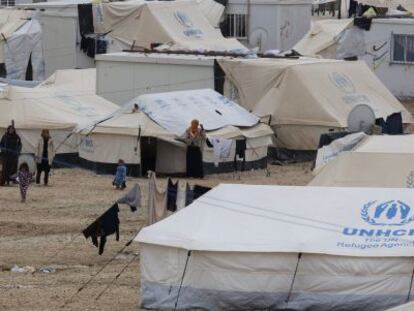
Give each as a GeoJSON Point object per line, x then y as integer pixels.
{"type": "Point", "coordinates": [61, 40]}
{"type": "Point", "coordinates": [399, 78]}
{"type": "Point", "coordinates": [121, 81]}
{"type": "Point", "coordinates": [274, 25]}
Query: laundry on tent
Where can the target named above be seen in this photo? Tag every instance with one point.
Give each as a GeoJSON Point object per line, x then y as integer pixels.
{"type": "Point", "coordinates": [320, 247]}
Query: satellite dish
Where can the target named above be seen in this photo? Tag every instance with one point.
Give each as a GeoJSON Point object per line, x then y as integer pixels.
{"type": "Point", "coordinates": [361, 119]}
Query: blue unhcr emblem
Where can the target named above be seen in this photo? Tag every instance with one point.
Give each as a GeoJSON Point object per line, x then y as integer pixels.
{"type": "Point", "coordinates": [390, 213]}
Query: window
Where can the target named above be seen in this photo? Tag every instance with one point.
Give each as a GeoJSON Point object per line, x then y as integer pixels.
{"type": "Point", "coordinates": [403, 49]}
{"type": "Point", "coordinates": [7, 3]}
{"type": "Point", "coordinates": [236, 26]}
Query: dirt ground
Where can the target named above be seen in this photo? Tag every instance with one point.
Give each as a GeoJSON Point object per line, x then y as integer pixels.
{"type": "Point", "coordinates": [46, 232]}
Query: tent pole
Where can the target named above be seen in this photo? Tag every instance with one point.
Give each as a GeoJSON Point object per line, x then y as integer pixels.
{"type": "Point", "coordinates": [293, 279]}
{"type": "Point", "coordinates": [411, 286]}
{"type": "Point", "coordinates": [182, 279]}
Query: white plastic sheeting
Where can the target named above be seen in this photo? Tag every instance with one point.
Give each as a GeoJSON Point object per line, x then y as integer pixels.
{"type": "Point", "coordinates": [331, 151]}
{"type": "Point", "coordinates": [174, 111]}
{"type": "Point", "coordinates": [22, 47]}
{"type": "Point", "coordinates": [351, 43]}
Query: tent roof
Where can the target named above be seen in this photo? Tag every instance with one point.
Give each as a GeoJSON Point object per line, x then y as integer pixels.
{"type": "Point", "coordinates": [174, 111]}
{"type": "Point", "coordinates": [55, 104]}
{"type": "Point", "coordinates": [323, 34]}
{"type": "Point", "coordinates": [167, 115]}
{"type": "Point", "coordinates": [377, 161]}
{"type": "Point", "coordinates": [395, 144]}
{"type": "Point", "coordinates": [179, 24]}
{"type": "Point", "coordinates": [287, 90]}
{"type": "Point", "coordinates": [256, 218]}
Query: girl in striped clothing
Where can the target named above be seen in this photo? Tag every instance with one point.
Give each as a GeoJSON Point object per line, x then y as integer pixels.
{"type": "Point", "coordinates": [24, 177]}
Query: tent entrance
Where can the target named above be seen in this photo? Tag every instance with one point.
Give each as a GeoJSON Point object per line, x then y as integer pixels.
{"type": "Point", "coordinates": [29, 70]}
{"type": "Point", "coordinates": [148, 154]}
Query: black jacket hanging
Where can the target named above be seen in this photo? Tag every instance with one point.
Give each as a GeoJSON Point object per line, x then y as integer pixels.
{"type": "Point", "coordinates": [106, 224]}
{"type": "Point", "coordinates": [85, 19]}
{"type": "Point", "coordinates": [172, 195]}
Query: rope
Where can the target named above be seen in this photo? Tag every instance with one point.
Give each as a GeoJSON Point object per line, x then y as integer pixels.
{"type": "Point", "coordinates": [182, 279]}
{"type": "Point", "coordinates": [294, 277]}
{"type": "Point", "coordinates": [84, 285]}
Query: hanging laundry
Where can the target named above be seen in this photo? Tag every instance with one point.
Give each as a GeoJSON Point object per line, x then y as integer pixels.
{"type": "Point", "coordinates": [189, 195]}
{"type": "Point", "coordinates": [241, 153]}
{"type": "Point", "coordinates": [101, 45]}
{"type": "Point", "coordinates": [363, 22]}
{"type": "Point", "coordinates": [85, 19]}
{"type": "Point", "coordinates": [90, 47]}
{"type": "Point", "coordinates": [106, 224]}
{"type": "Point", "coordinates": [222, 148]}
{"type": "Point", "coordinates": [394, 124]}
{"type": "Point", "coordinates": [157, 201]}
{"type": "Point", "coordinates": [172, 195]}
{"type": "Point", "coordinates": [132, 198]}
{"type": "Point", "coordinates": [198, 191]}
{"type": "Point", "coordinates": [181, 195]}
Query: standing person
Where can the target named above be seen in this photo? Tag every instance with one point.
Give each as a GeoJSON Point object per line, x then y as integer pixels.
{"type": "Point", "coordinates": [45, 153]}
{"type": "Point", "coordinates": [120, 175]}
{"type": "Point", "coordinates": [195, 138]}
{"type": "Point", "coordinates": [24, 176]}
{"type": "Point", "coordinates": [10, 146]}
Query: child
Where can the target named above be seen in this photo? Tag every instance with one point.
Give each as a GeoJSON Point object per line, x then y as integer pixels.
{"type": "Point", "coordinates": [24, 177]}
{"type": "Point", "coordinates": [120, 176]}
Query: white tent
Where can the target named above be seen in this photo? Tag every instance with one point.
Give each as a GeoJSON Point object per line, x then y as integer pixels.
{"type": "Point", "coordinates": [377, 161]}
{"type": "Point", "coordinates": [21, 44]}
{"type": "Point", "coordinates": [322, 37]}
{"type": "Point", "coordinates": [405, 307]}
{"type": "Point", "coordinates": [151, 133]}
{"type": "Point", "coordinates": [242, 247]}
{"type": "Point", "coordinates": [304, 98]}
{"type": "Point", "coordinates": [177, 25]}
{"type": "Point", "coordinates": [63, 103]}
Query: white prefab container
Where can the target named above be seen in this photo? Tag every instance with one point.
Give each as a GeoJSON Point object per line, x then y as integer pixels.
{"type": "Point", "coordinates": [61, 37]}
{"type": "Point", "coordinates": [124, 76]}
{"type": "Point", "coordinates": [269, 24]}
{"type": "Point", "coordinates": [381, 54]}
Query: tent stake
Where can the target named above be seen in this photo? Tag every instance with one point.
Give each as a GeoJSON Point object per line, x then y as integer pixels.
{"type": "Point", "coordinates": [411, 286]}
{"type": "Point", "coordinates": [182, 279]}
{"type": "Point", "coordinates": [293, 279]}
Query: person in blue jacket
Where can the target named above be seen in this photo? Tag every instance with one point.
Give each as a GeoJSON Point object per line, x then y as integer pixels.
{"type": "Point", "coordinates": [120, 176]}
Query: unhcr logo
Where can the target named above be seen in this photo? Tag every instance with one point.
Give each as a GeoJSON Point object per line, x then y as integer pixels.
{"type": "Point", "coordinates": [390, 213]}
{"type": "Point", "coordinates": [387, 214]}
{"type": "Point", "coordinates": [342, 82]}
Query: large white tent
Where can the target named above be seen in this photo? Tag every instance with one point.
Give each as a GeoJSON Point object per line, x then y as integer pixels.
{"type": "Point", "coordinates": [153, 130]}
{"type": "Point", "coordinates": [377, 161]}
{"type": "Point", "coordinates": [251, 247]}
{"type": "Point", "coordinates": [304, 98]}
{"type": "Point", "coordinates": [63, 103]}
{"type": "Point", "coordinates": [177, 25]}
